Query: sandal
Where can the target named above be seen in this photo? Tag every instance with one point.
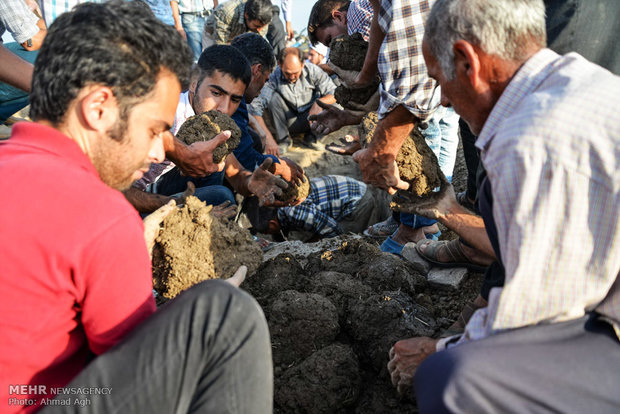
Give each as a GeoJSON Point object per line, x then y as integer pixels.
{"type": "Point", "coordinates": [382, 229]}
{"type": "Point", "coordinates": [458, 327]}
{"type": "Point", "coordinates": [455, 252]}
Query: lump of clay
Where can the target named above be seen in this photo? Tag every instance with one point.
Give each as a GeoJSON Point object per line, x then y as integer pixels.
{"type": "Point", "coordinates": [417, 163]}
{"type": "Point", "coordinates": [348, 53]}
{"type": "Point", "coordinates": [194, 246]}
{"type": "Point", "coordinates": [294, 192]}
{"type": "Point", "coordinates": [206, 126]}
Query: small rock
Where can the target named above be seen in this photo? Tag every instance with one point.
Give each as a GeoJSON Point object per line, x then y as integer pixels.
{"type": "Point", "coordinates": [412, 256]}
{"type": "Point", "coordinates": [447, 278]}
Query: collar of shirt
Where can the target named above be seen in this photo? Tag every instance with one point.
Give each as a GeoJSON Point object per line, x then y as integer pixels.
{"type": "Point", "coordinates": [32, 134]}
{"type": "Point", "coordinates": [527, 78]}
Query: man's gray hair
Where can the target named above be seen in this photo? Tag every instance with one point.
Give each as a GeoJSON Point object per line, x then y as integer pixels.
{"type": "Point", "coordinates": [506, 28]}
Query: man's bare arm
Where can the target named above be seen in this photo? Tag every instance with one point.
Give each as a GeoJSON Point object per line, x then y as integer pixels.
{"type": "Point", "coordinates": [14, 70]}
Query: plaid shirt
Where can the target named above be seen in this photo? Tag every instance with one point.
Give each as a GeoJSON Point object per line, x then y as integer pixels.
{"type": "Point", "coordinates": [359, 17]}
{"type": "Point", "coordinates": [227, 21]}
{"type": "Point", "coordinates": [332, 198]}
{"type": "Point", "coordinates": [17, 18]}
{"type": "Point", "coordinates": [551, 148]}
{"type": "Point", "coordinates": [404, 77]}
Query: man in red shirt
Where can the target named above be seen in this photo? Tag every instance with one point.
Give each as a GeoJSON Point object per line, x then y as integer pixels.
{"type": "Point", "coordinates": [78, 315]}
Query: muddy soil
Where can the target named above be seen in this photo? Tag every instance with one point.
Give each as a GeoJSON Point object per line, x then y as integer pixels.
{"type": "Point", "coordinates": [416, 162]}
{"type": "Point", "coordinates": [206, 126]}
{"type": "Point", "coordinates": [296, 192]}
{"type": "Point", "coordinates": [194, 246]}
{"type": "Point", "coordinates": [348, 53]}
{"type": "Point", "coordinates": [333, 316]}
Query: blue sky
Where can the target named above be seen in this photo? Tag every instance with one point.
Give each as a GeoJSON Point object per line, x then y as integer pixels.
{"type": "Point", "coordinates": [300, 14]}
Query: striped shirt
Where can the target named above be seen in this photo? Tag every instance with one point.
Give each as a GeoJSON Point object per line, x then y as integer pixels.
{"type": "Point", "coordinates": [359, 18]}
{"type": "Point", "coordinates": [404, 77]}
{"type": "Point", "coordinates": [193, 6]}
{"type": "Point", "coordinates": [17, 19]}
{"type": "Point", "coordinates": [51, 9]}
{"type": "Point", "coordinates": [551, 148]}
{"type": "Point", "coordinates": [332, 198]}
{"type": "Point", "coordinates": [227, 21]}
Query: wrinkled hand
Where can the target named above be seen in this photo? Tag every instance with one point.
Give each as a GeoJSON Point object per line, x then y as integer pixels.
{"type": "Point", "coordinates": [189, 191]}
{"type": "Point", "coordinates": [349, 145]}
{"type": "Point", "coordinates": [226, 210]}
{"type": "Point", "coordinates": [434, 205]}
{"type": "Point", "coordinates": [370, 106]}
{"type": "Point", "coordinates": [152, 224]}
{"type": "Point", "coordinates": [239, 276]}
{"type": "Point", "coordinates": [382, 175]}
{"type": "Point", "coordinates": [265, 185]}
{"type": "Point", "coordinates": [405, 357]}
{"type": "Point", "coordinates": [289, 170]}
{"type": "Point", "coordinates": [200, 161]}
{"type": "Point", "coordinates": [352, 79]}
{"type": "Point", "coordinates": [271, 146]}
{"type": "Point", "coordinates": [328, 120]}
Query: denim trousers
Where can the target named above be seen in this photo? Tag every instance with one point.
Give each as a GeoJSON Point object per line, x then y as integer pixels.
{"type": "Point", "coordinates": [442, 137]}
{"type": "Point", "coordinates": [208, 189]}
{"type": "Point", "coordinates": [193, 25]}
{"type": "Point", "coordinates": [207, 350]}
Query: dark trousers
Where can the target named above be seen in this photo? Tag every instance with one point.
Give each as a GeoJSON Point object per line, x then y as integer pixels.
{"type": "Point", "coordinates": [568, 367]}
{"type": "Point", "coordinates": [208, 350]}
{"type": "Point", "coordinates": [472, 157]}
{"type": "Point", "coordinates": [286, 120]}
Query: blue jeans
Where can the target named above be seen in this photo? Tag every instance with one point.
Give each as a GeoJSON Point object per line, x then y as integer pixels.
{"type": "Point", "coordinates": [208, 189]}
{"type": "Point", "coordinates": [193, 25]}
{"type": "Point", "coordinates": [13, 99]}
{"type": "Point", "coordinates": [442, 137]}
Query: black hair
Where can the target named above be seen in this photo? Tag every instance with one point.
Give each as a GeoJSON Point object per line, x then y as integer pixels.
{"type": "Point", "coordinates": [260, 10]}
{"type": "Point", "coordinates": [289, 51]}
{"type": "Point", "coordinates": [117, 44]}
{"type": "Point", "coordinates": [256, 49]}
{"type": "Point", "coordinates": [321, 16]}
{"type": "Point", "coordinates": [259, 216]}
{"type": "Point", "coordinates": [226, 60]}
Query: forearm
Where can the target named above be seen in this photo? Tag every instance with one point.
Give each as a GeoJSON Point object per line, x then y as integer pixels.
{"type": "Point", "coordinates": [174, 5]}
{"type": "Point", "coordinates": [469, 227]}
{"type": "Point", "coordinates": [391, 132]}
{"type": "Point", "coordinates": [328, 99]}
{"type": "Point", "coordinates": [369, 70]}
{"type": "Point", "coordinates": [261, 123]}
{"type": "Point", "coordinates": [36, 41]}
{"type": "Point", "coordinates": [15, 71]}
{"type": "Point", "coordinates": [145, 202]}
{"type": "Point", "coordinates": [237, 176]}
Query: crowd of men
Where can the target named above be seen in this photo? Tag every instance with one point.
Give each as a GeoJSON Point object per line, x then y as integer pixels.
{"type": "Point", "coordinates": [112, 84]}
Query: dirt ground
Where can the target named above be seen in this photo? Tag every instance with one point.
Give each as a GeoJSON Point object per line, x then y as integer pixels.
{"type": "Point", "coordinates": [335, 308]}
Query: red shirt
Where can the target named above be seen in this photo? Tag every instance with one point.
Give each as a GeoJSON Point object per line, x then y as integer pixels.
{"type": "Point", "coordinates": [75, 273]}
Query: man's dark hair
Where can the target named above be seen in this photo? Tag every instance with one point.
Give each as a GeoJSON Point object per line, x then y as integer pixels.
{"type": "Point", "coordinates": [256, 49]}
{"type": "Point", "coordinates": [226, 60]}
{"type": "Point", "coordinates": [117, 44]}
{"type": "Point", "coordinates": [290, 51]}
{"type": "Point", "coordinates": [321, 16]}
{"type": "Point", "coordinates": [259, 216]}
{"type": "Point", "coordinates": [259, 10]}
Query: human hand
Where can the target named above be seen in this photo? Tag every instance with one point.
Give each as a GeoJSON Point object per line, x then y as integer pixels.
{"type": "Point", "coordinates": [271, 146]}
{"type": "Point", "coordinates": [189, 191]}
{"type": "Point", "coordinates": [435, 205]}
{"type": "Point", "coordinates": [290, 33]}
{"type": "Point", "coordinates": [352, 79]}
{"type": "Point", "coordinates": [380, 173]}
{"type": "Point", "coordinates": [181, 31]}
{"type": "Point", "coordinates": [152, 224]}
{"type": "Point", "coordinates": [405, 357]}
{"type": "Point", "coordinates": [239, 276]}
{"type": "Point", "coordinates": [198, 162]}
{"type": "Point", "coordinates": [226, 210]}
{"type": "Point", "coordinates": [348, 145]}
{"type": "Point", "coordinates": [289, 170]}
{"type": "Point", "coordinates": [331, 118]}
{"type": "Point", "coordinates": [265, 185]}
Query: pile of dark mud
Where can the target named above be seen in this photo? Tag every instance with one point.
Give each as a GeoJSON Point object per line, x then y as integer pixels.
{"type": "Point", "coordinates": [417, 163]}
{"type": "Point", "coordinates": [206, 126]}
{"type": "Point", "coordinates": [334, 318]}
{"type": "Point", "coordinates": [194, 246]}
{"type": "Point", "coordinates": [348, 53]}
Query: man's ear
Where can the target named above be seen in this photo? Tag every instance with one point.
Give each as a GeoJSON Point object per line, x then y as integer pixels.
{"type": "Point", "coordinates": [467, 62]}
{"type": "Point", "coordinates": [339, 16]}
{"type": "Point", "coordinates": [99, 108]}
{"type": "Point", "coordinates": [257, 69]}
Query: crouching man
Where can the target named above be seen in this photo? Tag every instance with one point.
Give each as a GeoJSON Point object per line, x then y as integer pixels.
{"type": "Point", "coordinates": [78, 309]}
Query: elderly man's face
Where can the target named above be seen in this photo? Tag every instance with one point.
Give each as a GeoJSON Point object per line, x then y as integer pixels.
{"type": "Point", "coordinates": [127, 152]}
{"type": "Point", "coordinates": [473, 104]}
{"type": "Point", "coordinates": [217, 92]}
{"type": "Point", "coordinates": [292, 68]}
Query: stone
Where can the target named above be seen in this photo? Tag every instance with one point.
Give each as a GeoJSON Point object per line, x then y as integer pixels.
{"type": "Point", "coordinates": [450, 278]}
{"type": "Point", "coordinates": [411, 254]}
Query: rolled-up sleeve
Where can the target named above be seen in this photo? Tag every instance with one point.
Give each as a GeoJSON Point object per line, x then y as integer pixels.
{"type": "Point", "coordinates": [17, 19]}
{"type": "Point", "coordinates": [261, 102]}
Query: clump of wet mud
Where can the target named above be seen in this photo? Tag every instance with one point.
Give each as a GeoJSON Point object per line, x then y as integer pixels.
{"type": "Point", "coordinates": [417, 163]}
{"type": "Point", "coordinates": [296, 192]}
{"type": "Point", "coordinates": [194, 246]}
{"type": "Point", "coordinates": [206, 126]}
{"type": "Point", "coordinates": [334, 314]}
{"type": "Point", "coordinates": [348, 53]}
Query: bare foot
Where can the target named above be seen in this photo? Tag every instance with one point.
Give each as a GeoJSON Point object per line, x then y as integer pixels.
{"type": "Point", "coordinates": [348, 145]}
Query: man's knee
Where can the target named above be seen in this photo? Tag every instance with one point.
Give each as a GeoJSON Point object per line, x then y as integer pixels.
{"type": "Point", "coordinates": [430, 382]}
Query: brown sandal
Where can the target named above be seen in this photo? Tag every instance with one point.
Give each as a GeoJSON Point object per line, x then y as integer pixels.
{"type": "Point", "coordinates": [455, 252]}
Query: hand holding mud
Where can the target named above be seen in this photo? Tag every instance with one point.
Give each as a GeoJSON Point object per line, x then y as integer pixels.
{"type": "Point", "coordinates": [383, 175]}
{"type": "Point", "coordinates": [331, 119]}
{"type": "Point", "coordinates": [405, 357]}
{"type": "Point", "coordinates": [264, 185]}
{"type": "Point", "coordinates": [289, 171]}
{"type": "Point", "coordinates": [152, 224]}
{"type": "Point", "coordinates": [199, 162]}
